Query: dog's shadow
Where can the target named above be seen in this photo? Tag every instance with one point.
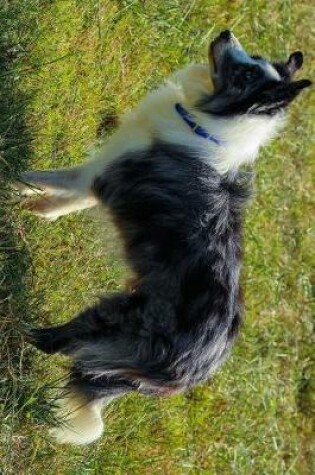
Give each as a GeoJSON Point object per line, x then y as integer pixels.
{"type": "Point", "coordinates": [22, 399]}
{"type": "Point", "coordinates": [17, 309]}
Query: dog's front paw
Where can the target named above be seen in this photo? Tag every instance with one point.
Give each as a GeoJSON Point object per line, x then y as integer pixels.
{"type": "Point", "coordinates": [45, 207]}
{"type": "Point", "coordinates": [28, 184]}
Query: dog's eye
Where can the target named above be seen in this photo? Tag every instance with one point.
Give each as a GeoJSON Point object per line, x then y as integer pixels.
{"type": "Point", "coordinates": [239, 80]}
{"type": "Point", "coordinates": [243, 77]}
{"type": "Point", "coordinates": [250, 74]}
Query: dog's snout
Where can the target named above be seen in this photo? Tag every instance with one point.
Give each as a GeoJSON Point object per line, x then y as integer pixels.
{"type": "Point", "coordinates": [225, 40]}
{"type": "Point", "coordinates": [226, 35]}
{"type": "Point", "coordinates": [224, 43]}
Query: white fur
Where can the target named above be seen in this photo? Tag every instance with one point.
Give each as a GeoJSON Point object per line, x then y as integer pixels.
{"type": "Point", "coordinates": [80, 421]}
{"type": "Point", "coordinates": [156, 118]}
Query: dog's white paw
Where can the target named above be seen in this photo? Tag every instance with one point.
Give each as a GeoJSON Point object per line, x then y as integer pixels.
{"type": "Point", "coordinates": [26, 189]}
{"type": "Point", "coordinates": [81, 423]}
{"type": "Point", "coordinates": [44, 206]}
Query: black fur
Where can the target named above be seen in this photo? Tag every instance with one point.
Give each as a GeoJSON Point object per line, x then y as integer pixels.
{"type": "Point", "coordinates": [181, 224]}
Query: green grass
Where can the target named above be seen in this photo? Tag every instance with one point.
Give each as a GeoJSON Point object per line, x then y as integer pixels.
{"type": "Point", "coordinates": [66, 67]}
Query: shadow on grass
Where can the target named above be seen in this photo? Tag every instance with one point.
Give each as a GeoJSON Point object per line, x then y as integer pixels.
{"type": "Point", "coordinates": [17, 389]}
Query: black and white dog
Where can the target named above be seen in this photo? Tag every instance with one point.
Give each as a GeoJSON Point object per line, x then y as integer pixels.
{"type": "Point", "coordinates": [171, 178]}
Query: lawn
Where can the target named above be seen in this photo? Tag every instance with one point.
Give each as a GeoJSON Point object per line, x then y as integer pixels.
{"type": "Point", "coordinates": [68, 68]}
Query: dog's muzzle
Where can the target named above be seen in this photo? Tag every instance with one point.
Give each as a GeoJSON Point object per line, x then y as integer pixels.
{"type": "Point", "coordinates": [225, 44]}
{"type": "Point", "coordinates": [225, 49]}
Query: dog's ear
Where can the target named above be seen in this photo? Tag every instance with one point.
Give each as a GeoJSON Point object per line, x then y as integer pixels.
{"type": "Point", "coordinates": [294, 62]}
{"type": "Point", "coordinates": [294, 88]}
{"type": "Point", "coordinates": [279, 96]}
{"type": "Point", "coordinates": [286, 92]}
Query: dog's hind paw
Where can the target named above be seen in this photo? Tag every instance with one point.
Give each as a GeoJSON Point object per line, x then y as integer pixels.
{"type": "Point", "coordinates": [80, 421]}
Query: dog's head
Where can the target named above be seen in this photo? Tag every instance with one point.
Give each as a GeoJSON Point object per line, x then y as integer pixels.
{"type": "Point", "coordinates": [245, 84]}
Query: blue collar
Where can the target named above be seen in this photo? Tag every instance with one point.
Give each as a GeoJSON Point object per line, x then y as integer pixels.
{"type": "Point", "coordinates": [197, 129]}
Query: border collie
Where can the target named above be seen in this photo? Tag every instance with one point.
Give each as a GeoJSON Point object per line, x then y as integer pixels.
{"type": "Point", "coordinates": [171, 179]}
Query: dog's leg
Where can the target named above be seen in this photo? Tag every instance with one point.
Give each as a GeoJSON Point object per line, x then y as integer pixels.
{"type": "Point", "coordinates": [105, 350]}
{"type": "Point", "coordinates": [113, 354]}
{"type": "Point", "coordinates": [50, 181]}
{"type": "Point", "coordinates": [57, 192]}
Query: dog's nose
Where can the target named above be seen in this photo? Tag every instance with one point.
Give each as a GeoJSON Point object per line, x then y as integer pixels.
{"type": "Point", "coordinates": [226, 35]}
